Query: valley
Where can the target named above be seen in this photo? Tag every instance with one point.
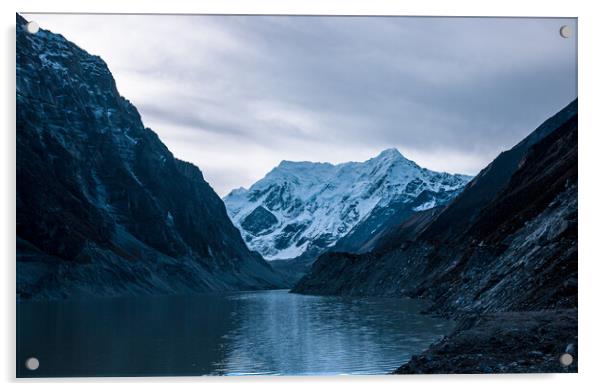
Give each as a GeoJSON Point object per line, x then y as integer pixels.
{"type": "Point", "coordinates": [391, 266]}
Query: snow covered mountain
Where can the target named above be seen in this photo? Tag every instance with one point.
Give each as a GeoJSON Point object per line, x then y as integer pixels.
{"type": "Point", "coordinates": [302, 208]}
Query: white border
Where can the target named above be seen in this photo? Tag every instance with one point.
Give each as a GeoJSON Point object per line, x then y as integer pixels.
{"type": "Point", "coordinates": [325, 7]}
{"type": "Point", "coordinates": [590, 190]}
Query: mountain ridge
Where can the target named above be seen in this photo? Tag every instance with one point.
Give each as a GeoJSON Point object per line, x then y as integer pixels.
{"type": "Point", "coordinates": [304, 207]}
{"type": "Point", "coordinates": [103, 207]}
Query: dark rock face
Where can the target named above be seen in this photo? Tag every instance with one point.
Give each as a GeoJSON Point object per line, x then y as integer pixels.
{"type": "Point", "coordinates": [507, 243]}
{"type": "Point", "coordinates": [103, 207]}
{"type": "Point", "coordinates": [290, 233]}
{"type": "Point", "coordinates": [258, 221]}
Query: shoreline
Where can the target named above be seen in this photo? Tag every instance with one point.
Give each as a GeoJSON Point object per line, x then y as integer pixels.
{"type": "Point", "coordinates": [502, 342]}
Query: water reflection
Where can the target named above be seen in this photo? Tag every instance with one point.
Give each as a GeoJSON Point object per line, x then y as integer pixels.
{"type": "Point", "coordinates": [268, 332]}
{"type": "Point", "coordinates": [290, 334]}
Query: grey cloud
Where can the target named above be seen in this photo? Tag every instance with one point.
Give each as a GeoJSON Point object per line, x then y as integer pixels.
{"type": "Point", "coordinates": [259, 89]}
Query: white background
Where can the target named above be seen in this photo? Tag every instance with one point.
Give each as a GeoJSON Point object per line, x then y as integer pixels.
{"type": "Point", "coordinates": [590, 66]}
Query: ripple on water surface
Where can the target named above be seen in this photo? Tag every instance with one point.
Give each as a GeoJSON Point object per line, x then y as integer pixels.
{"type": "Point", "coordinates": [243, 333]}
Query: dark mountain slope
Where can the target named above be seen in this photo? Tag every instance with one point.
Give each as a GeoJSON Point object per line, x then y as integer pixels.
{"type": "Point", "coordinates": [381, 221]}
{"type": "Point", "coordinates": [522, 252]}
{"type": "Point", "coordinates": [398, 222]}
{"type": "Point", "coordinates": [503, 253]}
{"type": "Point", "coordinates": [459, 264]}
{"type": "Point", "coordinates": [492, 179]}
{"type": "Point", "coordinates": [103, 207]}
{"type": "Point", "coordinates": [401, 234]}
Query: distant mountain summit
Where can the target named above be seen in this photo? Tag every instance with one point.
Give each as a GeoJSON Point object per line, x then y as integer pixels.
{"type": "Point", "coordinates": [303, 208]}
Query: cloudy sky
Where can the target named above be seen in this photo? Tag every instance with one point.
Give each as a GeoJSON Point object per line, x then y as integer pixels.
{"type": "Point", "coordinates": [237, 94]}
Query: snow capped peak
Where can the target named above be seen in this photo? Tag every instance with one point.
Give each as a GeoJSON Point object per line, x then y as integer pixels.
{"type": "Point", "coordinates": [289, 164]}
{"type": "Point", "coordinates": [301, 206]}
{"type": "Point", "coordinates": [237, 192]}
{"type": "Point", "coordinates": [391, 156]}
{"type": "Point", "coordinates": [390, 153]}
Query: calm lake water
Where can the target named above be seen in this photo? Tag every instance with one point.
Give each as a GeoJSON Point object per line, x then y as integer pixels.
{"type": "Point", "coordinates": [243, 333]}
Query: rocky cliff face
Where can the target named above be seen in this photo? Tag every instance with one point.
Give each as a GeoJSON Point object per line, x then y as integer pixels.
{"type": "Point", "coordinates": [103, 207]}
{"type": "Point", "coordinates": [301, 209]}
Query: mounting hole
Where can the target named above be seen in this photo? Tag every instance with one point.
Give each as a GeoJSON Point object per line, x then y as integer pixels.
{"type": "Point", "coordinates": [566, 359]}
{"type": "Point", "coordinates": [32, 363]}
{"type": "Point", "coordinates": [32, 27]}
{"type": "Point", "coordinates": [565, 31]}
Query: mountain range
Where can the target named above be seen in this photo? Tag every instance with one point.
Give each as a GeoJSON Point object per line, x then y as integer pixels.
{"type": "Point", "coordinates": [103, 207]}
{"type": "Point", "coordinates": [301, 209]}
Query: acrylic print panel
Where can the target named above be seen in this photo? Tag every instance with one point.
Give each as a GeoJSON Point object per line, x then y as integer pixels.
{"type": "Point", "coordinates": [295, 195]}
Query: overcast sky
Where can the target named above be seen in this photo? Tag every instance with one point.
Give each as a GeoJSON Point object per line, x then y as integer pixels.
{"type": "Point", "coordinates": [236, 95]}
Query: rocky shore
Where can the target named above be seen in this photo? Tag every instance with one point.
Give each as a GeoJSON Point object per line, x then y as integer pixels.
{"type": "Point", "coordinates": [504, 342]}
